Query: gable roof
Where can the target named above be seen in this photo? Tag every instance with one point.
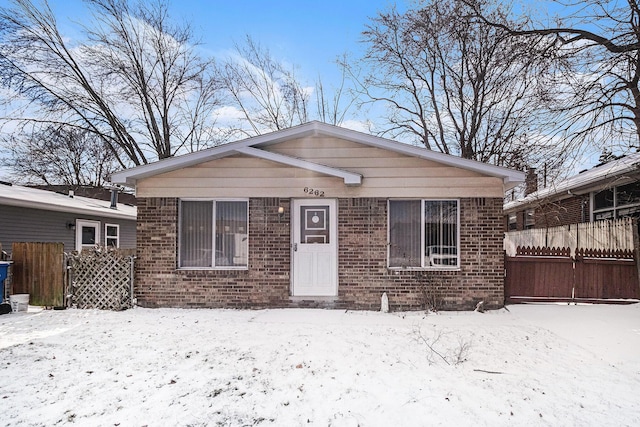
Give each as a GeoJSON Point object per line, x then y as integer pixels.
{"type": "Point", "coordinates": [255, 147]}
{"type": "Point", "coordinates": [585, 181]}
{"type": "Point", "coordinates": [26, 197]}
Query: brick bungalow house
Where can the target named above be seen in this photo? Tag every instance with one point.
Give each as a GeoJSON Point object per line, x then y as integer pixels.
{"type": "Point", "coordinates": [607, 191]}
{"type": "Point", "coordinates": [322, 216]}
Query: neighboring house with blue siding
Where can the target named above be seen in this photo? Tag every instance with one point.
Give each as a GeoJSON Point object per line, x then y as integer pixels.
{"type": "Point", "coordinates": [33, 215]}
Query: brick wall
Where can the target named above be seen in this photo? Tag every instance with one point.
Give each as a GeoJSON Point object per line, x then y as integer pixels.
{"type": "Point", "coordinates": [362, 272]}
{"type": "Point", "coordinates": [363, 275]}
{"type": "Point", "coordinates": [160, 284]}
{"type": "Point", "coordinates": [563, 212]}
{"type": "Point", "coordinates": [571, 210]}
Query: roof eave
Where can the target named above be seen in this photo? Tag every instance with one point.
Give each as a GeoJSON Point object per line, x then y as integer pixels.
{"type": "Point", "coordinates": [131, 176]}
{"type": "Point", "coordinates": [29, 204]}
{"type": "Point", "coordinates": [563, 191]}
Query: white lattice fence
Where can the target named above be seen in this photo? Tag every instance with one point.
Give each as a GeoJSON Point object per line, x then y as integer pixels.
{"type": "Point", "coordinates": [101, 279]}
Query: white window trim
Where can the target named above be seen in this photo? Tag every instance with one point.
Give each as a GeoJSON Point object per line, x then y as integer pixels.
{"type": "Point", "coordinates": [107, 237]}
{"type": "Point", "coordinates": [422, 237]}
{"type": "Point", "coordinates": [213, 232]}
{"type": "Point", "coordinates": [88, 223]}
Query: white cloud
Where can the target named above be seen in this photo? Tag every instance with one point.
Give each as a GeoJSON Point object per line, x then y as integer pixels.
{"type": "Point", "coordinates": [358, 125]}
{"type": "Point", "coordinates": [228, 113]}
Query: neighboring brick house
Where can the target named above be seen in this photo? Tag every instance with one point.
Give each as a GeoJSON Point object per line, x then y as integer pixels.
{"type": "Point", "coordinates": [318, 215]}
{"type": "Point", "coordinates": [607, 191]}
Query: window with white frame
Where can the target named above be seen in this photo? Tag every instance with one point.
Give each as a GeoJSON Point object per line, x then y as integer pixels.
{"type": "Point", "coordinates": [87, 234]}
{"type": "Point", "coordinates": [424, 233]}
{"type": "Point", "coordinates": [213, 234]}
{"type": "Point", "coordinates": [112, 235]}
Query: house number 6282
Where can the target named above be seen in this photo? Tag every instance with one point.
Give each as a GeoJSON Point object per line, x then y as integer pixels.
{"type": "Point", "coordinates": [313, 192]}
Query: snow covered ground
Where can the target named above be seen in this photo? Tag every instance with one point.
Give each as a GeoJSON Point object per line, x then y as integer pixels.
{"type": "Point", "coordinates": [556, 365]}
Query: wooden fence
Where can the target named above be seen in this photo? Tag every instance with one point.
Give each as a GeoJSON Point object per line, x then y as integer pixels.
{"type": "Point", "coordinates": [97, 278]}
{"type": "Point", "coordinates": [38, 270]}
{"type": "Point", "coordinates": [606, 275]}
{"type": "Point", "coordinates": [553, 274]}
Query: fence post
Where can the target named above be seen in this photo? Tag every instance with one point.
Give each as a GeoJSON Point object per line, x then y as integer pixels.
{"type": "Point", "coordinates": [131, 278]}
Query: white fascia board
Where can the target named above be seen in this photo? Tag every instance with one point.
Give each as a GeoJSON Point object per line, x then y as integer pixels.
{"type": "Point", "coordinates": [510, 177]}
{"type": "Point", "coordinates": [129, 177]}
{"type": "Point", "coordinates": [100, 212]}
{"type": "Point", "coordinates": [349, 178]}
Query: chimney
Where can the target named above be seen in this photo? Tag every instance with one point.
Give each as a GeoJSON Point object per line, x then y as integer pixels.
{"type": "Point", "coordinates": [114, 198]}
{"type": "Point", "coordinates": [530, 181]}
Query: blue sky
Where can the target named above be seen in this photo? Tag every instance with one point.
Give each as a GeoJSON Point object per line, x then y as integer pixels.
{"type": "Point", "coordinates": [309, 34]}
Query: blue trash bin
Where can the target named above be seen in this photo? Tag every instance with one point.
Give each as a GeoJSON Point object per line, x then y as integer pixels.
{"type": "Point", "coordinates": [4, 272]}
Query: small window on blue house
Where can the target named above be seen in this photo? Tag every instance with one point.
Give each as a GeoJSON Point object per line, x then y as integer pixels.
{"type": "Point", "coordinates": [87, 234]}
{"type": "Point", "coordinates": [213, 234]}
{"type": "Point", "coordinates": [112, 235]}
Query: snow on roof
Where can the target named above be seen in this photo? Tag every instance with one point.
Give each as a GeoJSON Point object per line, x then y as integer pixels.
{"type": "Point", "coordinates": [16, 195]}
{"type": "Point", "coordinates": [586, 180]}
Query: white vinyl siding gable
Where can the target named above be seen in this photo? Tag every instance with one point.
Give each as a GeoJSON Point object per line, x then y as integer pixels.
{"type": "Point", "coordinates": [383, 172]}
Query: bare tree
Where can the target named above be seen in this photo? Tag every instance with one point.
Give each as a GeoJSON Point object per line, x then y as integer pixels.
{"type": "Point", "coordinates": [455, 85]}
{"type": "Point", "coordinates": [332, 106]}
{"type": "Point", "coordinates": [599, 87]}
{"type": "Point", "coordinates": [264, 90]}
{"type": "Point", "coordinates": [58, 155]}
{"type": "Point", "coordinates": [267, 94]}
{"type": "Point", "coordinates": [136, 81]}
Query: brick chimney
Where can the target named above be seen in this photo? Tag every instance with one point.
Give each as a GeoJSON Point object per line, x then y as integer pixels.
{"type": "Point", "coordinates": [530, 181]}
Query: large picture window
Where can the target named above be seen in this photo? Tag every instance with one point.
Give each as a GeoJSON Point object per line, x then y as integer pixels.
{"type": "Point", "coordinates": [424, 233]}
{"type": "Point", "coordinates": [213, 234]}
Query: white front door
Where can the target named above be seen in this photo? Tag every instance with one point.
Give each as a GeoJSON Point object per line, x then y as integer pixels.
{"type": "Point", "coordinates": [314, 248]}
